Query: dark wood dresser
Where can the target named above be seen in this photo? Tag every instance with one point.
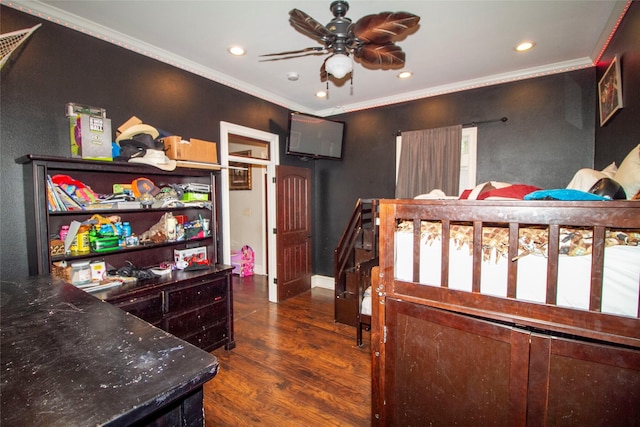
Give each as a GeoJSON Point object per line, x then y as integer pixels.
{"type": "Point", "coordinates": [196, 306]}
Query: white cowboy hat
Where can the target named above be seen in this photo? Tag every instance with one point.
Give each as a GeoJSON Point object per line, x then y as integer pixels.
{"type": "Point", "coordinates": [155, 158]}
{"type": "Point", "coordinates": [134, 130]}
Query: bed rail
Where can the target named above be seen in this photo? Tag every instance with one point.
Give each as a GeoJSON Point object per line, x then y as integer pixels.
{"type": "Point", "coordinates": [513, 215]}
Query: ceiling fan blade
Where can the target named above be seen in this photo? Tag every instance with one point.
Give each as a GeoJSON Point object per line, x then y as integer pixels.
{"type": "Point", "coordinates": [293, 52]}
{"type": "Point", "coordinates": [381, 55]}
{"type": "Point", "coordinates": [309, 26]}
{"type": "Point", "coordinates": [383, 27]}
{"type": "Point", "coordinates": [315, 53]}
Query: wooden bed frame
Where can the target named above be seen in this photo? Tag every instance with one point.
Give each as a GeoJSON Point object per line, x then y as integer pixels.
{"type": "Point", "coordinates": [447, 357]}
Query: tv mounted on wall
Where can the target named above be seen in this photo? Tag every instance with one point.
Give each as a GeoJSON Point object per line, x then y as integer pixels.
{"type": "Point", "coordinates": [315, 137]}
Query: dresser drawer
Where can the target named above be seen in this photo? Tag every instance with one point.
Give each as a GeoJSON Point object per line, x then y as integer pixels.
{"type": "Point", "coordinates": [211, 338]}
{"type": "Point", "coordinates": [147, 308]}
{"type": "Point", "coordinates": [196, 320]}
{"type": "Point", "coordinates": [196, 295]}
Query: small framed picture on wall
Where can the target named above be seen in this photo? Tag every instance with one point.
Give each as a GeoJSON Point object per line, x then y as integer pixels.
{"type": "Point", "coordinates": [610, 91]}
{"type": "Point", "coordinates": [240, 173]}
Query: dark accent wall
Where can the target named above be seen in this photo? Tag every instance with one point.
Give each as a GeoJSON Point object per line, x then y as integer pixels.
{"type": "Point", "coordinates": [548, 136]}
{"type": "Point", "coordinates": [621, 133]}
{"type": "Point", "coordinates": [59, 65]}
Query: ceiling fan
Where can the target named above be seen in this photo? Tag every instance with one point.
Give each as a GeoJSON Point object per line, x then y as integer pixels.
{"type": "Point", "coordinates": [369, 40]}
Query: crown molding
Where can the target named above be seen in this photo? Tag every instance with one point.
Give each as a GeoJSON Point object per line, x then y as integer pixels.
{"type": "Point", "coordinates": [619, 10]}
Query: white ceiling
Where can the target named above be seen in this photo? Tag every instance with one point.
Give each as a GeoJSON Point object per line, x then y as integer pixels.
{"type": "Point", "coordinates": [459, 44]}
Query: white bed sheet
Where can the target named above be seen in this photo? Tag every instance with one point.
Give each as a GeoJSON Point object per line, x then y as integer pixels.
{"type": "Point", "coordinates": [365, 304]}
{"type": "Point", "coordinates": [621, 275]}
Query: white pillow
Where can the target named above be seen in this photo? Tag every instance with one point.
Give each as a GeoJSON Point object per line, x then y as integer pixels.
{"type": "Point", "coordinates": [628, 174]}
{"type": "Point", "coordinates": [584, 179]}
{"type": "Point", "coordinates": [611, 170]}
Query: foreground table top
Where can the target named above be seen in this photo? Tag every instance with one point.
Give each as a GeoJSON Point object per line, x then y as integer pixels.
{"type": "Point", "coordinates": [69, 358]}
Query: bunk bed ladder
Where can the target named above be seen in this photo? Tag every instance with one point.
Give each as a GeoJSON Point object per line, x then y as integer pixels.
{"type": "Point", "coordinates": [354, 257]}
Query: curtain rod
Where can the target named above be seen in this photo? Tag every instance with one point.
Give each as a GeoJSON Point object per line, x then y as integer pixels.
{"type": "Point", "coordinates": [471, 124]}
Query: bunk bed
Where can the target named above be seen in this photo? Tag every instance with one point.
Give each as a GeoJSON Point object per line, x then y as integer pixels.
{"type": "Point", "coordinates": [499, 312]}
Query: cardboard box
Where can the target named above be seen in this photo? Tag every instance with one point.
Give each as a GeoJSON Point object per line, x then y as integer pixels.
{"type": "Point", "coordinates": [195, 150]}
{"type": "Point", "coordinates": [133, 120]}
{"type": "Point", "coordinates": [191, 256]}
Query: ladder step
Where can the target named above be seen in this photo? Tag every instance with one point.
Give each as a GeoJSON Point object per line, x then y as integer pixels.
{"type": "Point", "coordinates": [368, 238]}
{"type": "Point", "coordinates": [362, 255]}
{"type": "Point", "coordinates": [352, 282]}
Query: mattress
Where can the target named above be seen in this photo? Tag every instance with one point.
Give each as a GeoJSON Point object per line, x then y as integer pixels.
{"type": "Point", "coordinates": [621, 274]}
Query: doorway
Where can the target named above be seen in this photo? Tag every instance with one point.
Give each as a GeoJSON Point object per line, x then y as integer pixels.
{"type": "Point", "coordinates": [258, 168]}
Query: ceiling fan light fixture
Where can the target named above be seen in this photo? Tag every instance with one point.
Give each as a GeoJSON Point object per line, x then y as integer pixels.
{"type": "Point", "coordinates": [405, 75]}
{"type": "Point", "coordinates": [370, 40]}
{"type": "Point", "coordinates": [339, 65]}
{"type": "Point", "coordinates": [321, 94]}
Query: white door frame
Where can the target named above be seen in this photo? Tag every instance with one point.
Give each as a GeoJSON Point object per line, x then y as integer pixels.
{"type": "Point", "coordinates": [274, 152]}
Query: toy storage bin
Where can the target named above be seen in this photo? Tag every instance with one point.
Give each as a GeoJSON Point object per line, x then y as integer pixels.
{"type": "Point", "coordinates": [236, 261]}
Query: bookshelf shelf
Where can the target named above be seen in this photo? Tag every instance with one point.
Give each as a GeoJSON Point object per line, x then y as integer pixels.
{"type": "Point", "coordinates": [100, 177]}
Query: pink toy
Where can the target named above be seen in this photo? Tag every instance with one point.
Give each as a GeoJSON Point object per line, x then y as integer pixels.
{"type": "Point", "coordinates": [247, 263]}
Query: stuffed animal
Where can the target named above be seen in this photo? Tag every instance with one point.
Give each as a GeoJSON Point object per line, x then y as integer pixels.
{"type": "Point", "coordinates": [158, 232]}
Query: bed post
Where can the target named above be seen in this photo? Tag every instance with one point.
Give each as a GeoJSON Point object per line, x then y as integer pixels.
{"type": "Point", "coordinates": [381, 277]}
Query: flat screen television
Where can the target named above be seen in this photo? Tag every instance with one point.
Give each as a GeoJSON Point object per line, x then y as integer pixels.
{"type": "Point", "coordinates": [314, 137]}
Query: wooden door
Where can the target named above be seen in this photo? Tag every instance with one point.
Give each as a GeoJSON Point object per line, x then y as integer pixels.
{"type": "Point", "coordinates": [293, 230]}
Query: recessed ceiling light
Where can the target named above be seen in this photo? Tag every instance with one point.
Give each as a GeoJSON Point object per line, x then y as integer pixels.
{"type": "Point", "coordinates": [236, 51]}
{"type": "Point", "coordinates": [405, 75]}
{"type": "Point", "coordinates": [321, 94]}
{"type": "Point", "coordinates": [524, 46]}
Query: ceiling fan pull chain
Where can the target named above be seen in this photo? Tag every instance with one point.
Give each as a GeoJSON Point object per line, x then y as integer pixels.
{"type": "Point", "coordinates": [351, 88]}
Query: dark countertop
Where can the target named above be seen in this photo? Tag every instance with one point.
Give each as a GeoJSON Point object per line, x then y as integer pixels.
{"type": "Point", "coordinates": [70, 359]}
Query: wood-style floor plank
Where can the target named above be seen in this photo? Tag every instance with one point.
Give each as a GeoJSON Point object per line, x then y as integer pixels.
{"type": "Point", "coordinates": [293, 365]}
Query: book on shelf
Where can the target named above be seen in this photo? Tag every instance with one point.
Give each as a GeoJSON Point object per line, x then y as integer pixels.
{"type": "Point", "coordinates": [58, 200]}
{"type": "Point", "coordinates": [69, 203]}
{"type": "Point", "coordinates": [70, 191]}
{"type": "Point", "coordinates": [117, 204]}
{"type": "Point", "coordinates": [55, 204]}
{"type": "Point", "coordinates": [126, 204]}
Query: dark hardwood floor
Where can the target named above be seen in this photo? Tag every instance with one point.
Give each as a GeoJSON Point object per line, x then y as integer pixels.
{"type": "Point", "coordinates": [293, 365]}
